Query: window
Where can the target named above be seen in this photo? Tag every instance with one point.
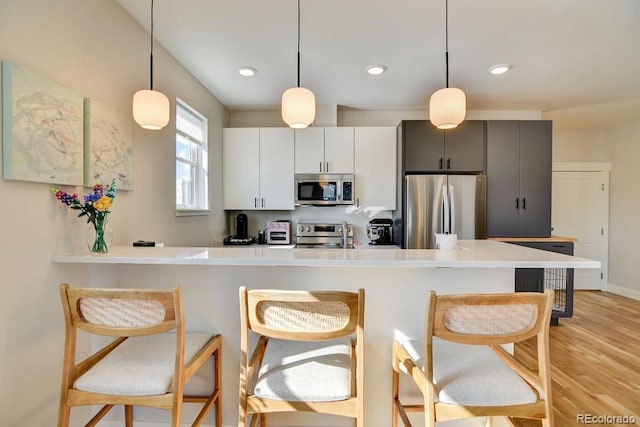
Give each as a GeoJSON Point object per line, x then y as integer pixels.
{"type": "Point", "coordinates": [192, 189]}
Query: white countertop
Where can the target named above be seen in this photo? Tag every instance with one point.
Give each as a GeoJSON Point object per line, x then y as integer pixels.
{"type": "Point", "coordinates": [470, 254]}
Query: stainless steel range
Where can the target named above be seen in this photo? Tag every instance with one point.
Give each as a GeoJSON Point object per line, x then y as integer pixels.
{"type": "Point", "coordinates": [324, 235]}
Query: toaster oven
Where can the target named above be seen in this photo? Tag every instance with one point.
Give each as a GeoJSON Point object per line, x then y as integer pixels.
{"type": "Point", "coordinates": [278, 233]}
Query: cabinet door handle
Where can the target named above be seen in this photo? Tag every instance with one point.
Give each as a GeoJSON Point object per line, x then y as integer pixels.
{"type": "Point", "coordinates": [357, 202]}
{"type": "Point", "coordinates": [327, 168]}
{"type": "Point", "coordinates": [441, 163]}
{"type": "Point", "coordinates": [449, 163]}
{"type": "Point", "coordinates": [320, 166]}
{"type": "Point", "coordinates": [255, 202]}
{"type": "Point", "coordinates": [524, 203]}
{"type": "Point", "coordinates": [517, 203]}
{"type": "Point", "coordinates": [262, 202]}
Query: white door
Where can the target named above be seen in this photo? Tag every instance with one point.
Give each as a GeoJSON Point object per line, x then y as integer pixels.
{"type": "Point", "coordinates": [309, 152]}
{"type": "Point", "coordinates": [579, 209]}
{"type": "Point", "coordinates": [338, 149]}
{"type": "Point", "coordinates": [240, 167]}
{"type": "Point", "coordinates": [375, 168]}
{"type": "Point", "coordinates": [276, 169]}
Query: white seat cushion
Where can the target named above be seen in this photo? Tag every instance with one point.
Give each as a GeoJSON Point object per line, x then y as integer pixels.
{"type": "Point", "coordinates": [471, 375]}
{"type": "Point", "coordinates": [305, 371]}
{"type": "Point", "coordinates": [140, 366]}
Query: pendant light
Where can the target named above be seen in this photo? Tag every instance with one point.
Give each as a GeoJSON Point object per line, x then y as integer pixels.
{"type": "Point", "coordinates": [447, 107]}
{"type": "Point", "coordinates": [298, 103]}
{"type": "Point", "coordinates": [150, 107]}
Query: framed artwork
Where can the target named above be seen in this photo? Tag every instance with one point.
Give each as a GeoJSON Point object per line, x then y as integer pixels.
{"type": "Point", "coordinates": [108, 145]}
{"type": "Point", "coordinates": [42, 128]}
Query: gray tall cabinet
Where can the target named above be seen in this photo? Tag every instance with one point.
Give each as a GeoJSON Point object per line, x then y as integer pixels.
{"type": "Point", "coordinates": [429, 149]}
{"type": "Point", "coordinates": [518, 178]}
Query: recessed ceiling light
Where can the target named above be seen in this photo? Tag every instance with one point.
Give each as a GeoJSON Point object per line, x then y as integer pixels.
{"type": "Point", "coordinates": [375, 70]}
{"type": "Point", "coordinates": [500, 69]}
{"type": "Point", "coordinates": [247, 71]}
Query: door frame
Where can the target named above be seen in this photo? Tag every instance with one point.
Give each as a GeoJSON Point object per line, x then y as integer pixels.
{"type": "Point", "coordinates": [604, 168]}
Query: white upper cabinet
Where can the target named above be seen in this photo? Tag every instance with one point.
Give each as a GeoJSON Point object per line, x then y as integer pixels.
{"type": "Point", "coordinates": [258, 168]}
{"type": "Point", "coordinates": [309, 151]}
{"type": "Point", "coordinates": [324, 150]}
{"type": "Point", "coordinates": [338, 150]}
{"type": "Point", "coordinates": [375, 168]}
{"type": "Point", "coordinates": [240, 167]}
{"type": "Point", "coordinates": [276, 169]}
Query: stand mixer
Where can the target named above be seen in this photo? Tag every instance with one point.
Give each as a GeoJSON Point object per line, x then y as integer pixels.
{"type": "Point", "coordinates": [380, 231]}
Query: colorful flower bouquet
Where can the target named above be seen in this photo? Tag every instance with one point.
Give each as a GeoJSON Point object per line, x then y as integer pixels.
{"type": "Point", "coordinates": [95, 206]}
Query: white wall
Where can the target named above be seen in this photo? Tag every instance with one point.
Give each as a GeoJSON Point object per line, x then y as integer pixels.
{"type": "Point", "coordinates": [620, 147]}
{"type": "Point", "coordinates": [579, 145]}
{"type": "Point", "coordinates": [96, 48]}
{"type": "Point", "coordinates": [624, 229]}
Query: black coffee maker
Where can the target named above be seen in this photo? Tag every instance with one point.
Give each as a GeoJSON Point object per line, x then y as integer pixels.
{"type": "Point", "coordinates": [242, 226]}
{"type": "Point", "coordinates": [380, 231]}
{"type": "Point", "coordinates": [241, 237]}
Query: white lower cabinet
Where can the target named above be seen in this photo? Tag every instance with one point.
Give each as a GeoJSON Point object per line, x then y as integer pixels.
{"type": "Point", "coordinates": [375, 168]}
{"type": "Point", "coordinates": [258, 168]}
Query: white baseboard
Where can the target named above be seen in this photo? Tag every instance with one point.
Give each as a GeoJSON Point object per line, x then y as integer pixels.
{"type": "Point", "coordinates": [625, 292]}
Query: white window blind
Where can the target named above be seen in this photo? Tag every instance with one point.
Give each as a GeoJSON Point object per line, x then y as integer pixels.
{"type": "Point", "coordinates": [192, 175]}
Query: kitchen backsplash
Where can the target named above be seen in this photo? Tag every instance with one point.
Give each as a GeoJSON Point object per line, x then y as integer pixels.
{"type": "Point", "coordinates": [356, 217]}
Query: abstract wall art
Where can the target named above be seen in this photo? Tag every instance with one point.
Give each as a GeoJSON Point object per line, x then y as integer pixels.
{"type": "Point", "coordinates": [108, 146]}
{"type": "Point", "coordinates": [42, 128]}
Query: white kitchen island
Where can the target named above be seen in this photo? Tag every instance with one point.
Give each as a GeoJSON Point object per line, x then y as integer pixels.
{"type": "Point", "coordinates": [396, 282]}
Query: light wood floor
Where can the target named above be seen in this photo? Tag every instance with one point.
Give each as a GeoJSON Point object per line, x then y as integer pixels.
{"type": "Point", "coordinates": [595, 358]}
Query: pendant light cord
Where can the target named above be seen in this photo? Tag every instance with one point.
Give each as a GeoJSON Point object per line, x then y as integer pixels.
{"type": "Point", "coordinates": [151, 56]}
{"type": "Point", "coordinates": [298, 43]}
{"type": "Point", "coordinates": [446, 39]}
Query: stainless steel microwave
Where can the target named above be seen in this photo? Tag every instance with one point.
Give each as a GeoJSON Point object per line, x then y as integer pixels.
{"type": "Point", "coordinates": [324, 189]}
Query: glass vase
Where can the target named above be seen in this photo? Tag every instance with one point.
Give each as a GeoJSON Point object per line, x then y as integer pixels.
{"type": "Point", "coordinates": [99, 238]}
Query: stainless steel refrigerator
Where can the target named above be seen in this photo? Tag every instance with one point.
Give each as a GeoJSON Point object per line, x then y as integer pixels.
{"type": "Point", "coordinates": [454, 204]}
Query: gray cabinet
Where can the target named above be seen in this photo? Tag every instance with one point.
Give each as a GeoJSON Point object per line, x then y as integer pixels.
{"type": "Point", "coordinates": [429, 149]}
{"type": "Point", "coordinates": [518, 178]}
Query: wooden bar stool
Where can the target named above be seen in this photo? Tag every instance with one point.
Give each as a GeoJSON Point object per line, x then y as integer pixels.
{"type": "Point", "coordinates": [145, 365]}
{"type": "Point", "coordinates": [309, 355]}
{"type": "Point", "coordinates": [461, 368]}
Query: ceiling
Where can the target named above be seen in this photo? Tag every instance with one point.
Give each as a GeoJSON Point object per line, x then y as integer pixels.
{"type": "Point", "coordinates": [575, 60]}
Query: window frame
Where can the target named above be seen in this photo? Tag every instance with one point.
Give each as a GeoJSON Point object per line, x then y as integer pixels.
{"type": "Point", "coordinates": [200, 187]}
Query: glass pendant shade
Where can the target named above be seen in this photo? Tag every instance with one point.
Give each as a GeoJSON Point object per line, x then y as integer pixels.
{"type": "Point", "coordinates": [151, 109]}
{"type": "Point", "coordinates": [298, 107]}
{"type": "Point", "coordinates": [447, 108]}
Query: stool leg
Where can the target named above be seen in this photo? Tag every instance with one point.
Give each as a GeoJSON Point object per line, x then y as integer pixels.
{"type": "Point", "coordinates": [128, 415]}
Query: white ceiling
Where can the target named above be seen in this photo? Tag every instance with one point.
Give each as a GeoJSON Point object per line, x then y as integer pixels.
{"type": "Point", "coordinates": [575, 60]}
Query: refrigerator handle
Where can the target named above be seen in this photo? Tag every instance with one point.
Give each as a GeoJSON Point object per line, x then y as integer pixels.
{"type": "Point", "coordinates": [446, 212]}
{"type": "Point", "coordinates": [438, 205]}
{"type": "Point", "coordinates": [452, 211]}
